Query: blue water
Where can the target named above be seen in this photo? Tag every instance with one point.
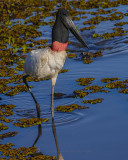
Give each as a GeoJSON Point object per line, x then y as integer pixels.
{"type": "Point", "coordinates": [97, 133]}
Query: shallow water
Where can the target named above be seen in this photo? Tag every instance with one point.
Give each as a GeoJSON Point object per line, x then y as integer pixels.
{"type": "Point", "coordinates": [97, 133]}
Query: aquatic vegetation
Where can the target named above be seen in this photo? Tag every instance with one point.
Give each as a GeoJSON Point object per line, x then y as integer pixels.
{"type": "Point", "coordinates": [23, 153]}
{"type": "Point", "coordinates": [84, 81]}
{"type": "Point", "coordinates": [3, 127]}
{"type": "Point", "coordinates": [20, 23]}
{"type": "Point", "coordinates": [19, 153]}
{"type": "Point", "coordinates": [106, 80]}
{"type": "Point", "coordinates": [24, 122]}
{"type": "Point", "coordinates": [120, 32]}
{"type": "Point", "coordinates": [117, 84]}
{"type": "Point", "coordinates": [80, 93]}
{"type": "Point", "coordinates": [8, 134]}
{"type": "Point", "coordinates": [8, 106]}
{"type": "Point", "coordinates": [87, 28]}
{"type": "Point", "coordinates": [18, 88]}
{"type": "Point", "coordinates": [93, 101]}
{"type": "Point", "coordinates": [70, 108]}
{"type": "Point", "coordinates": [125, 91]}
{"type": "Point", "coordinates": [5, 111]}
{"type": "Point", "coordinates": [125, 81]}
{"type": "Point", "coordinates": [97, 54]}
{"type": "Point", "coordinates": [63, 70]}
{"type": "Point", "coordinates": [120, 23]}
{"type": "Point", "coordinates": [88, 56]}
{"type": "Point", "coordinates": [71, 55]}
{"type": "Point", "coordinates": [87, 61]}
{"type": "Point", "coordinates": [96, 88]}
{"type": "Point", "coordinates": [76, 18]}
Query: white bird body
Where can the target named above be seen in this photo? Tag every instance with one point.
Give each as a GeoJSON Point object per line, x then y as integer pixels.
{"type": "Point", "coordinates": [44, 63]}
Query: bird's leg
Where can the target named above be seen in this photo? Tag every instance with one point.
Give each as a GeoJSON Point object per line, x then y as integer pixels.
{"type": "Point", "coordinates": [52, 102]}
{"type": "Point", "coordinates": [37, 105]}
{"type": "Point", "coordinates": [53, 80]}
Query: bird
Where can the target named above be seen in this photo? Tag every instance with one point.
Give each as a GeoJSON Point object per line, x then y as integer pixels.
{"type": "Point", "coordinates": [47, 62]}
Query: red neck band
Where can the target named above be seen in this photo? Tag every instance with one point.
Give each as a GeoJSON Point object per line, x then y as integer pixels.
{"type": "Point", "coordinates": [57, 46]}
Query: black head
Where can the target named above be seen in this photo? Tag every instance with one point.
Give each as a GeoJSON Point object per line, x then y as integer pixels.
{"type": "Point", "coordinates": [62, 26]}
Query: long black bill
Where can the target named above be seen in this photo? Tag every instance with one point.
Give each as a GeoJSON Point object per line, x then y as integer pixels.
{"type": "Point", "coordinates": [70, 25]}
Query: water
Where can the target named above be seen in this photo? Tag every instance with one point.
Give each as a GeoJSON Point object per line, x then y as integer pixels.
{"type": "Point", "coordinates": [97, 133]}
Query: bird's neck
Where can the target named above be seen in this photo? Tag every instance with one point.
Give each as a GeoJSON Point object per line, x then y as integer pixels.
{"type": "Point", "coordinates": [58, 46]}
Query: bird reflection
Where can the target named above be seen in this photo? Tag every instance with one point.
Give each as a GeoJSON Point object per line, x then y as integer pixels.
{"type": "Point", "coordinates": [39, 134]}
{"type": "Point", "coordinates": [59, 156]}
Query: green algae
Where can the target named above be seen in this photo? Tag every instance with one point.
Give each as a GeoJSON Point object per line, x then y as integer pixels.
{"type": "Point", "coordinates": [93, 101]}
{"type": "Point", "coordinates": [70, 108]}
{"type": "Point", "coordinates": [24, 122]}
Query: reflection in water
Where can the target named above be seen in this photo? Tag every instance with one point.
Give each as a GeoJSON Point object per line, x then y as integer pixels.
{"type": "Point", "coordinates": [59, 156]}
{"type": "Point", "coordinates": [39, 134]}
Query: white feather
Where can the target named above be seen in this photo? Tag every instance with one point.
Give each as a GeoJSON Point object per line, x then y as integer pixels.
{"type": "Point", "coordinates": [44, 62]}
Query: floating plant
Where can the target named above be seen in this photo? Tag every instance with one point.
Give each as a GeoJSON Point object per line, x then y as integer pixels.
{"type": "Point", "coordinates": [117, 84]}
{"type": "Point", "coordinates": [80, 93]}
{"type": "Point", "coordinates": [106, 80]}
{"type": "Point", "coordinates": [8, 134]}
{"type": "Point", "coordinates": [23, 153]}
{"type": "Point", "coordinates": [87, 56]}
{"type": "Point", "coordinates": [125, 91]}
{"type": "Point", "coordinates": [63, 70]}
{"type": "Point", "coordinates": [18, 37]}
{"type": "Point", "coordinates": [3, 127]}
{"type": "Point", "coordinates": [24, 122]}
{"type": "Point", "coordinates": [93, 101]}
{"type": "Point", "coordinates": [70, 108]}
{"type": "Point", "coordinates": [96, 88]}
{"type": "Point", "coordinates": [84, 81]}
{"type": "Point", "coordinates": [71, 55]}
